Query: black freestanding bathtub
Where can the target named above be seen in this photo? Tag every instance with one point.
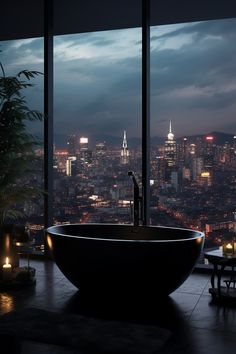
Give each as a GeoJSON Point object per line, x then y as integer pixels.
{"type": "Point", "coordinates": [124, 259]}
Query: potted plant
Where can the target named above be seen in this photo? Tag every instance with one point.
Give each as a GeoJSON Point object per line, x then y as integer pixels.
{"type": "Point", "coordinates": [17, 152]}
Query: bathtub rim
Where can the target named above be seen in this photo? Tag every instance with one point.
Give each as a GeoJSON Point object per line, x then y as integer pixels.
{"type": "Point", "coordinates": [196, 234]}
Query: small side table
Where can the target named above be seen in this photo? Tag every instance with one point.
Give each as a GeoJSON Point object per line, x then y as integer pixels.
{"type": "Point", "coordinates": [220, 262]}
{"type": "Point", "coordinates": [24, 249]}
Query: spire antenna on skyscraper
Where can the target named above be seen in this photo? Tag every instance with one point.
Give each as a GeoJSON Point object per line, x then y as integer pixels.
{"type": "Point", "coordinates": [124, 150]}
{"type": "Point", "coordinates": [170, 135]}
{"type": "Point", "coordinates": [125, 145]}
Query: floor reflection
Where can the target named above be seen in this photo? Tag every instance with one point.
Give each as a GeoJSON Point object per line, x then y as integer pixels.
{"type": "Point", "coordinates": [163, 313]}
{"type": "Point", "coordinates": [6, 303]}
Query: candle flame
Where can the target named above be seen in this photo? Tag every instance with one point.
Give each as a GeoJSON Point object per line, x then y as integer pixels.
{"type": "Point", "coordinates": [229, 246]}
{"type": "Point", "coordinates": [7, 260]}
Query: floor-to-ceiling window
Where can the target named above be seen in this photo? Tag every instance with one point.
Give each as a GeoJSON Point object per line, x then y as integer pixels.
{"type": "Point", "coordinates": [97, 130]}
{"type": "Point", "coordinates": [193, 144]}
{"type": "Point", "coordinates": [17, 56]}
{"type": "Point", "coordinates": [97, 125]}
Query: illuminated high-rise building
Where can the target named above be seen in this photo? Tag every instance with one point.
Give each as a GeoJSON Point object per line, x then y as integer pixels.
{"type": "Point", "coordinates": [101, 149]}
{"type": "Point", "coordinates": [124, 151]}
{"type": "Point", "coordinates": [193, 150]}
{"type": "Point", "coordinates": [83, 143]}
{"type": "Point", "coordinates": [197, 167]}
{"type": "Point", "coordinates": [170, 148]}
{"type": "Point", "coordinates": [71, 161]}
{"type": "Point", "coordinates": [209, 152]}
{"type": "Point", "coordinates": [208, 158]}
{"type": "Point", "coordinates": [170, 154]}
{"type": "Point", "coordinates": [59, 160]}
{"type": "Point", "coordinates": [85, 153]}
{"type": "Point", "coordinates": [183, 153]}
{"type": "Point", "coordinates": [226, 153]}
{"type": "Point", "coordinates": [71, 168]}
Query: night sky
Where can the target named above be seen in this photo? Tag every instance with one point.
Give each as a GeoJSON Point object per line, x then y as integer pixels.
{"type": "Point", "coordinates": [98, 79]}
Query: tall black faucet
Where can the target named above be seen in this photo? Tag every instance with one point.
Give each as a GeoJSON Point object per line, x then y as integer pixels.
{"type": "Point", "coordinates": [137, 201]}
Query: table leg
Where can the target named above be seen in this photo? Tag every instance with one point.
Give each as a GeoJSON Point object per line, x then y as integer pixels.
{"type": "Point", "coordinates": [219, 274]}
{"type": "Point", "coordinates": [213, 274]}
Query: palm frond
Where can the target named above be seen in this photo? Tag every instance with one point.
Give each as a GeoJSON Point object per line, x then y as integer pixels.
{"type": "Point", "coordinates": [17, 145]}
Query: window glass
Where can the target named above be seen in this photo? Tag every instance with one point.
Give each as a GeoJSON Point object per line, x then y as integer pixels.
{"type": "Point", "coordinates": [97, 125]}
{"type": "Point", "coordinates": [22, 171]}
{"type": "Point", "coordinates": [193, 143]}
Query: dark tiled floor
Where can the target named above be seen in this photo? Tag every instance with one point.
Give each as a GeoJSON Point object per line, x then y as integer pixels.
{"type": "Point", "coordinates": [198, 326]}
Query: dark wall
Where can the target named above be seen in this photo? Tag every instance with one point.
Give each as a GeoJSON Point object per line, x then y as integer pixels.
{"type": "Point", "coordinates": [24, 18]}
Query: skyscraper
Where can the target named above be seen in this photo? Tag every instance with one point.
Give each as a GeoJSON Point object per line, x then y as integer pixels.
{"type": "Point", "coordinates": [170, 154]}
{"type": "Point", "coordinates": [85, 153]}
{"type": "Point", "coordinates": [208, 158]}
{"type": "Point", "coordinates": [209, 153]}
{"type": "Point", "coordinates": [71, 167]}
{"type": "Point", "coordinates": [170, 148]}
{"type": "Point", "coordinates": [124, 151]}
{"type": "Point", "coordinates": [183, 153]}
{"type": "Point", "coordinates": [71, 161]}
{"type": "Point", "coordinates": [101, 149]}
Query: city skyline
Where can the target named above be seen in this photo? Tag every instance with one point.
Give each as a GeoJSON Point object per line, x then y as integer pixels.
{"type": "Point", "coordinates": [61, 140]}
{"type": "Point", "coordinates": [98, 78]}
{"type": "Point", "coordinates": [192, 184]}
{"type": "Point", "coordinates": [188, 183]}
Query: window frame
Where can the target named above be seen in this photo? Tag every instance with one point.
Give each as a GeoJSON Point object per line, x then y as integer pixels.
{"type": "Point", "coordinates": [48, 111]}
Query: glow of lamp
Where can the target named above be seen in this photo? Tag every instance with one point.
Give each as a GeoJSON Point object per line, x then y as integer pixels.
{"type": "Point", "coordinates": [6, 270]}
{"type": "Point", "coordinates": [229, 249]}
{"type": "Point", "coordinates": [7, 243]}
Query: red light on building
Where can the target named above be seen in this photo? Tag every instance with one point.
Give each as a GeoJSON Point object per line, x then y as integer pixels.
{"type": "Point", "coordinates": [209, 138]}
{"type": "Point", "coordinates": [60, 152]}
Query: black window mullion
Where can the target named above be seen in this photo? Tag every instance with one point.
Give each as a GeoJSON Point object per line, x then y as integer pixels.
{"type": "Point", "coordinates": [48, 111]}
{"type": "Point", "coordinates": [146, 109]}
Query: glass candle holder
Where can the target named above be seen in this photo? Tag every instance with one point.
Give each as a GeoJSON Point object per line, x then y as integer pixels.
{"type": "Point", "coordinates": [228, 248]}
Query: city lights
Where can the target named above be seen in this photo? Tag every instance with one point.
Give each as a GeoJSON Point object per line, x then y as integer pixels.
{"type": "Point", "coordinates": [83, 140]}
{"type": "Point", "coordinates": [205, 174]}
{"type": "Point", "coordinates": [192, 183]}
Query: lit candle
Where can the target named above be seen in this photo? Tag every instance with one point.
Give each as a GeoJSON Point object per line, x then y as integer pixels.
{"type": "Point", "coordinates": [229, 248]}
{"type": "Point", "coordinates": [6, 270]}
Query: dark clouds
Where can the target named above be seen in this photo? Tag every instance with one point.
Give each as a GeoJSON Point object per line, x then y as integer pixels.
{"type": "Point", "coordinates": [98, 79]}
{"type": "Point", "coordinates": [194, 85]}
{"type": "Point", "coordinates": [201, 30]}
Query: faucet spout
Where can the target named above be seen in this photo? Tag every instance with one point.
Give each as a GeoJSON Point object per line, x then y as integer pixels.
{"type": "Point", "coordinates": [137, 201]}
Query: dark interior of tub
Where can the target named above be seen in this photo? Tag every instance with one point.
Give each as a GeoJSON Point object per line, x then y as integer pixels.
{"type": "Point", "coordinates": [124, 232]}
